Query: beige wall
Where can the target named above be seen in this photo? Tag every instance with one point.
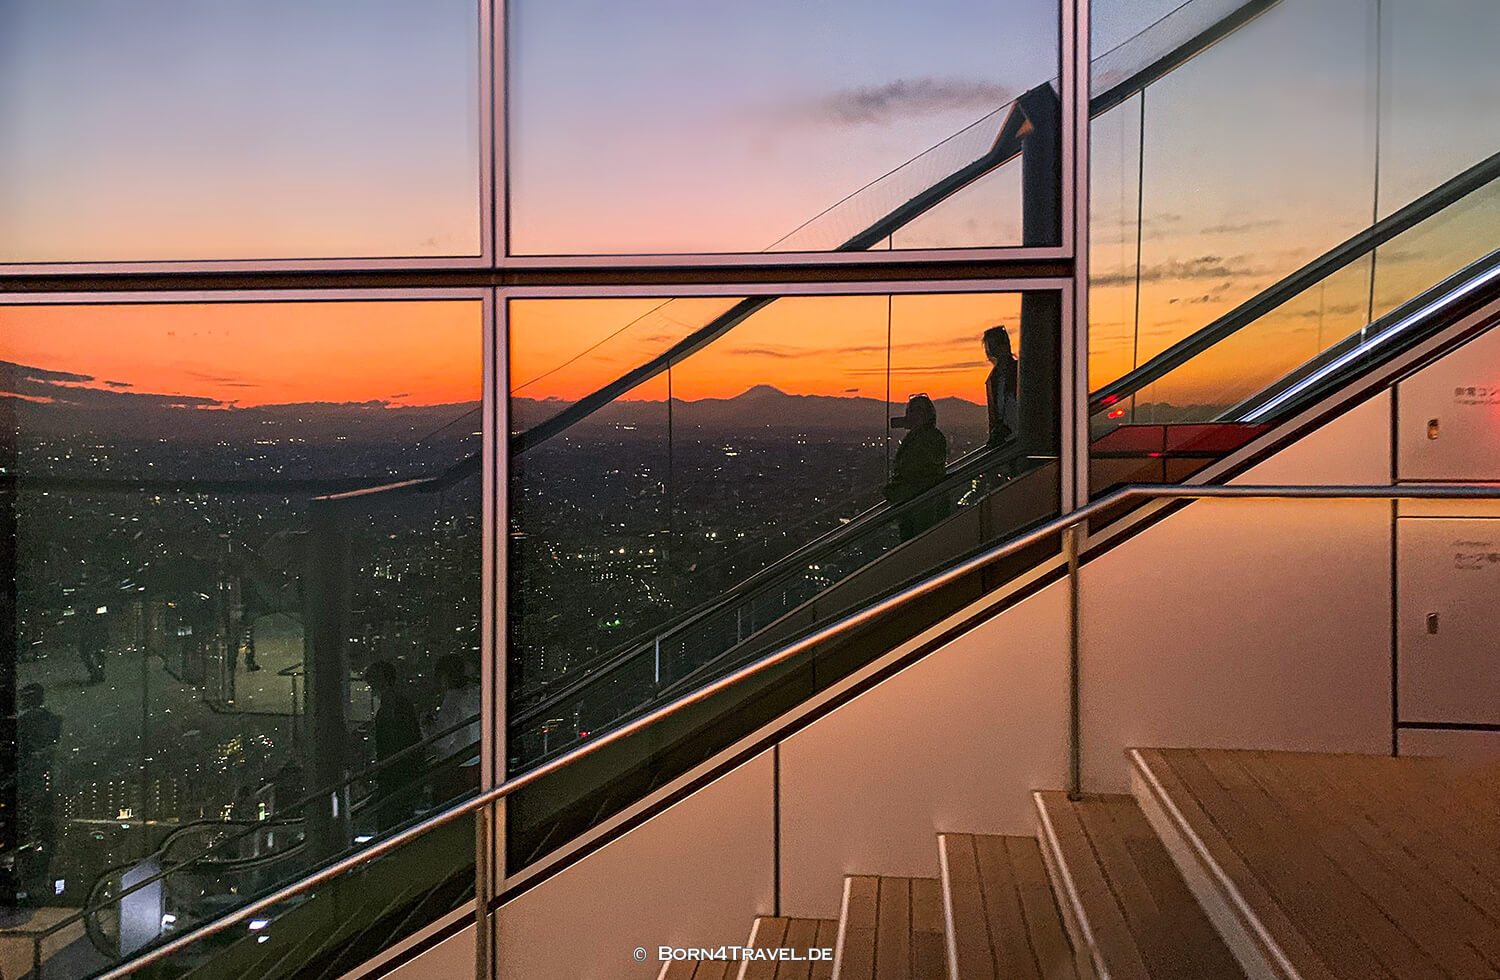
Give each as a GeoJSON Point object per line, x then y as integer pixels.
{"type": "Point", "coordinates": [953, 743]}
{"type": "Point", "coordinates": [1238, 623]}
{"type": "Point", "coordinates": [1254, 624]}
{"type": "Point", "coordinates": [695, 875]}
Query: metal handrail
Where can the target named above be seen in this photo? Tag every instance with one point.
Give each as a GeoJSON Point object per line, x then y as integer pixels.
{"type": "Point", "coordinates": [1067, 525]}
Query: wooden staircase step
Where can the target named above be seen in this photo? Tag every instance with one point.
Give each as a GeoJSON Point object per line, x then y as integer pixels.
{"type": "Point", "coordinates": [1003, 922]}
{"type": "Point", "coordinates": [768, 932]}
{"type": "Point", "coordinates": [773, 932]}
{"type": "Point", "coordinates": [891, 929]}
{"type": "Point", "coordinates": [1325, 867]}
{"type": "Point", "coordinates": [1129, 912]}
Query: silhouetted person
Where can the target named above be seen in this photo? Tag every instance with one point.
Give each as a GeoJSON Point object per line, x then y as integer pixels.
{"type": "Point", "coordinates": [37, 732]}
{"type": "Point", "coordinates": [921, 463]}
{"type": "Point", "coordinates": [250, 611]}
{"type": "Point", "coordinates": [93, 638]}
{"type": "Point", "coordinates": [1000, 387]}
{"type": "Point", "coordinates": [459, 701]}
{"type": "Point", "coordinates": [396, 728]}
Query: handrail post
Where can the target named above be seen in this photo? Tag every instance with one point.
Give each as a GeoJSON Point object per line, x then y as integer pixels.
{"type": "Point", "coordinates": [483, 854]}
{"type": "Point", "coordinates": [1075, 727]}
{"type": "Point", "coordinates": [328, 598]}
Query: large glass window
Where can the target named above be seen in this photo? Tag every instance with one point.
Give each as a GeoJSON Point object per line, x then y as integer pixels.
{"type": "Point", "coordinates": [207, 632]}
{"type": "Point", "coordinates": [178, 130]}
{"type": "Point", "coordinates": [789, 459]}
{"type": "Point", "coordinates": [667, 126]}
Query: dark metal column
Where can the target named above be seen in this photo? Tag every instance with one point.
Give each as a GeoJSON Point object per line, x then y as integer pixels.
{"type": "Point", "coordinates": [10, 770]}
{"type": "Point", "coordinates": [327, 599]}
{"type": "Point", "coordinates": [1039, 371]}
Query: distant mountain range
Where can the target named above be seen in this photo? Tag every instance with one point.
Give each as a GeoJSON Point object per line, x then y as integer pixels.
{"type": "Point", "coordinates": [758, 408]}
{"type": "Point", "coordinates": [125, 420]}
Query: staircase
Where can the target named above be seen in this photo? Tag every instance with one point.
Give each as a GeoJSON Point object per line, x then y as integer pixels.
{"type": "Point", "coordinates": [1221, 864]}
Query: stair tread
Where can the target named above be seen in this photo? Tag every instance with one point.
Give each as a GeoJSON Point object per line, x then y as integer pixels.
{"type": "Point", "coordinates": [767, 931]}
{"type": "Point", "coordinates": [1139, 921]}
{"type": "Point", "coordinates": [891, 929]}
{"type": "Point", "coordinates": [1004, 917]}
{"type": "Point", "coordinates": [1351, 866]}
{"type": "Point", "coordinates": [795, 934]}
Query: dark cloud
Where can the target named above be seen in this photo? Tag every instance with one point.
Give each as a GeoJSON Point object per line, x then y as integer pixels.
{"type": "Point", "coordinates": [904, 97]}
{"type": "Point", "coordinates": [223, 379]}
{"type": "Point", "coordinates": [9, 370]}
{"type": "Point", "coordinates": [1176, 270]}
{"type": "Point", "coordinates": [766, 352]}
{"type": "Point", "coordinates": [1240, 227]}
{"type": "Point", "coordinates": [65, 388]}
{"type": "Point", "coordinates": [119, 384]}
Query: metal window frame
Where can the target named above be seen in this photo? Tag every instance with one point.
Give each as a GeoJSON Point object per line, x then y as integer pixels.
{"type": "Point", "coordinates": [483, 259]}
{"type": "Point", "coordinates": [506, 259]}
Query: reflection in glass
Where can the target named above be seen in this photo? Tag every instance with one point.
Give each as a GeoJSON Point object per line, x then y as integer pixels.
{"type": "Point", "coordinates": [207, 632]}
{"type": "Point", "coordinates": [800, 463]}
{"type": "Point", "coordinates": [1114, 240]}
{"type": "Point", "coordinates": [723, 127]}
{"type": "Point", "coordinates": [1439, 78]}
{"type": "Point", "coordinates": [174, 130]}
{"type": "Point", "coordinates": [1257, 365]}
{"type": "Point", "coordinates": [1257, 158]}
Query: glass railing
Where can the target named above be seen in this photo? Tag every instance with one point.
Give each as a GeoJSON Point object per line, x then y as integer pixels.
{"type": "Point", "coordinates": [749, 615]}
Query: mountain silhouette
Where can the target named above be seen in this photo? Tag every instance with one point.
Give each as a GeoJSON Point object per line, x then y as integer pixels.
{"type": "Point", "coordinates": [761, 407]}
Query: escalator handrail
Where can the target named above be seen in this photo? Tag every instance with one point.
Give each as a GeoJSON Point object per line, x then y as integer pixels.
{"type": "Point", "coordinates": [1299, 383]}
{"type": "Point", "coordinates": [1351, 250]}
{"type": "Point", "coordinates": [963, 468]}
{"type": "Point", "coordinates": [1049, 531]}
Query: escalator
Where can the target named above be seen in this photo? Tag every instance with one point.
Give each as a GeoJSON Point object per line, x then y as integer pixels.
{"type": "Point", "coordinates": [991, 493]}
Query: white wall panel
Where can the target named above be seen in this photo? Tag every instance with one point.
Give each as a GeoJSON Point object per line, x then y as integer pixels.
{"type": "Point", "coordinates": [695, 875]}
{"type": "Point", "coordinates": [953, 743]}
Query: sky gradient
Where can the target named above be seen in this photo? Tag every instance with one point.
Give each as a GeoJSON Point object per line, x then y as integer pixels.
{"type": "Point", "coordinates": [174, 129]}
{"type": "Point", "coordinates": [249, 354]}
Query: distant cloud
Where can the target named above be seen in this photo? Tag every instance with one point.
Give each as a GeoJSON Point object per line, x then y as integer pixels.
{"type": "Point", "coordinates": [80, 390]}
{"type": "Point", "coordinates": [1178, 270]}
{"type": "Point", "coordinates": [1240, 227]}
{"type": "Point", "coordinates": [10, 370]}
{"type": "Point", "coordinates": [119, 384]}
{"type": "Point", "coordinates": [873, 104]}
{"type": "Point", "coordinates": [766, 352]}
